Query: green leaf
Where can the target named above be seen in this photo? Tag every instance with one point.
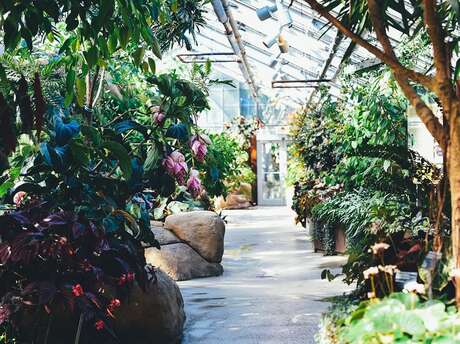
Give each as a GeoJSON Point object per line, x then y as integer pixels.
{"type": "Point", "coordinates": [147, 34]}
{"type": "Point", "coordinates": [123, 36]}
{"type": "Point", "coordinates": [70, 80]}
{"type": "Point", "coordinates": [66, 45]}
{"type": "Point", "coordinates": [138, 55]}
{"type": "Point", "coordinates": [32, 21]}
{"type": "Point", "coordinates": [103, 47]}
{"type": "Point", "coordinates": [158, 213]}
{"type": "Point", "coordinates": [174, 6]}
{"type": "Point", "coordinates": [80, 152]}
{"type": "Point", "coordinates": [112, 43]}
{"type": "Point", "coordinates": [176, 207]}
{"type": "Point", "coordinates": [92, 134]}
{"type": "Point", "coordinates": [91, 56]}
{"type": "Point", "coordinates": [11, 32]}
{"type": "Point", "coordinates": [71, 21]}
{"type": "Point", "coordinates": [3, 77]}
{"type": "Point", "coordinates": [455, 4]}
{"type": "Point", "coordinates": [410, 323]}
{"type": "Point", "coordinates": [207, 67]}
{"type": "Point", "coordinates": [151, 162]}
{"type": "Point", "coordinates": [121, 154]}
{"type": "Point", "coordinates": [52, 9]}
{"type": "Point", "coordinates": [156, 48]}
{"type": "Point", "coordinates": [152, 65]}
{"type": "Point", "coordinates": [80, 85]}
{"type": "Point", "coordinates": [9, 183]}
{"type": "Point", "coordinates": [68, 98]}
{"type": "Point", "coordinates": [457, 69]}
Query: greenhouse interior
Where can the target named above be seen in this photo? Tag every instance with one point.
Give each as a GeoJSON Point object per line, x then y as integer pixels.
{"type": "Point", "coordinates": [229, 171]}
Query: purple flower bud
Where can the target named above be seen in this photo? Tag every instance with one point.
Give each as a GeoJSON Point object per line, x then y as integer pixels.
{"type": "Point", "coordinates": [194, 184]}
{"type": "Point", "coordinates": [177, 156]}
{"type": "Point", "coordinates": [176, 166]}
{"type": "Point", "coordinates": [169, 165]}
{"type": "Point", "coordinates": [159, 117]}
{"type": "Point", "coordinates": [180, 171]}
{"type": "Point", "coordinates": [199, 148]}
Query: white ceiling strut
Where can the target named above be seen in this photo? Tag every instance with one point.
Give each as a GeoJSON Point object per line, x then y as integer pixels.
{"type": "Point", "coordinates": [225, 16]}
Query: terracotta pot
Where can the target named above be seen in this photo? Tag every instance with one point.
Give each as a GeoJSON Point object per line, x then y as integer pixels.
{"type": "Point", "coordinates": [340, 240]}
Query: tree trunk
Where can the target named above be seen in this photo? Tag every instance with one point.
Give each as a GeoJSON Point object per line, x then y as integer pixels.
{"type": "Point", "coordinates": [453, 166]}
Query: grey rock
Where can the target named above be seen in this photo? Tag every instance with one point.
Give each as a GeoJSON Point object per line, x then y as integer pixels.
{"type": "Point", "coordinates": [204, 231]}
{"type": "Point", "coordinates": [156, 316]}
{"type": "Point", "coordinates": [181, 262]}
{"type": "Point", "coordinates": [164, 236]}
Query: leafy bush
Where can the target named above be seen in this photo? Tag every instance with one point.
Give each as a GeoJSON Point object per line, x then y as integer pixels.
{"type": "Point", "coordinates": [312, 134]}
{"type": "Point", "coordinates": [85, 159]}
{"type": "Point", "coordinates": [363, 213]}
{"type": "Point", "coordinates": [401, 318]}
{"type": "Point", "coordinates": [55, 261]}
{"type": "Point", "coordinates": [226, 165]}
{"type": "Point", "coordinates": [341, 307]}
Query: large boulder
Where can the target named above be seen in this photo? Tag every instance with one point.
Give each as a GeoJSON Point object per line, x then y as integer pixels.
{"type": "Point", "coordinates": [181, 262]}
{"type": "Point", "coordinates": [204, 231]}
{"type": "Point", "coordinates": [237, 201]}
{"type": "Point", "coordinates": [246, 190]}
{"type": "Point", "coordinates": [154, 317]}
{"type": "Point", "coordinates": [163, 236]}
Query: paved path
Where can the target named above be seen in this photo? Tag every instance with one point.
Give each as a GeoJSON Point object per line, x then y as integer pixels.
{"type": "Point", "coordinates": [271, 291]}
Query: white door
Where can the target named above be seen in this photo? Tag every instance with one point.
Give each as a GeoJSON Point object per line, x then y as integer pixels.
{"type": "Point", "coordinates": [271, 172]}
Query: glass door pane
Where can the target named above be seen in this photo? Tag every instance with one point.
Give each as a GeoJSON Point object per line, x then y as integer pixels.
{"type": "Point", "coordinates": [270, 173]}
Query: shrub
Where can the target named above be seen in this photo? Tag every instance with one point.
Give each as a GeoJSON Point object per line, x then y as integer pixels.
{"type": "Point", "coordinates": [400, 318]}
{"type": "Point", "coordinates": [54, 261]}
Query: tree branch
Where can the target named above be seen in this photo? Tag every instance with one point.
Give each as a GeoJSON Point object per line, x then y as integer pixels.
{"type": "Point", "coordinates": [423, 111]}
{"type": "Point", "coordinates": [375, 12]}
{"type": "Point", "coordinates": [436, 34]}
{"type": "Point", "coordinates": [417, 77]}
{"type": "Point", "coordinates": [441, 56]}
{"type": "Point", "coordinates": [432, 123]}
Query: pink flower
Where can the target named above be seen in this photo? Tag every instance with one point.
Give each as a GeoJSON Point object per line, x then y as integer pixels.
{"type": "Point", "coordinates": [122, 280]}
{"type": "Point", "coordinates": [176, 166]}
{"type": "Point", "coordinates": [379, 247]}
{"type": "Point", "coordinates": [130, 276]}
{"type": "Point", "coordinates": [4, 313]}
{"type": "Point", "coordinates": [77, 290]}
{"type": "Point", "coordinates": [199, 147]}
{"type": "Point", "coordinates": [180, 171]}
{"type": "Point", "coordinates": [115, 303]}
{"type": "Point", "coordinates": [159, 117]}
{"type": "Point", "coordinates": [414, 287]}
{"type": "Point", "coordinates": [18, 198]}
{"type": "Point", "coordinates": [177, 156]}
{"type": "Point", "coordinates": [169, 164]}
{"type": "Point", "coordinates": [373, 270]}
{"type": "Point", "coordinates": [99, 325]}
{"type": "Point", "coordinates": [194, 183]}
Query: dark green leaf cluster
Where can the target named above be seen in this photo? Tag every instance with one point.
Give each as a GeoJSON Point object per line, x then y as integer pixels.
{"type": "Point", "coordinates": [226, 166]}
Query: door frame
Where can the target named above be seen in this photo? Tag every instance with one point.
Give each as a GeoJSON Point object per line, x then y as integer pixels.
{"type": "Point", "coordinates": [283, 170]}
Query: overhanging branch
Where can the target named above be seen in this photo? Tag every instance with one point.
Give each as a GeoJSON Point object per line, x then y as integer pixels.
{"type": "Point", "coordinates": [417, 77]}
{"type": "Point", "coordinates": [432, 123]}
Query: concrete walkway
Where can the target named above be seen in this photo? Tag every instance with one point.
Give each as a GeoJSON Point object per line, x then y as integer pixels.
{"type": "Point", "coordinates": [271, 291]}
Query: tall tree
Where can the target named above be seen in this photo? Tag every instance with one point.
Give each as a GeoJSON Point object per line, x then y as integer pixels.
{"type": "Point", "coordinates": [440, 20]}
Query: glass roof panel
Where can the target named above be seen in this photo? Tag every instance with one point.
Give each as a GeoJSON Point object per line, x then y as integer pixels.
{"type": "Point", "coordinates": [312, 53]}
